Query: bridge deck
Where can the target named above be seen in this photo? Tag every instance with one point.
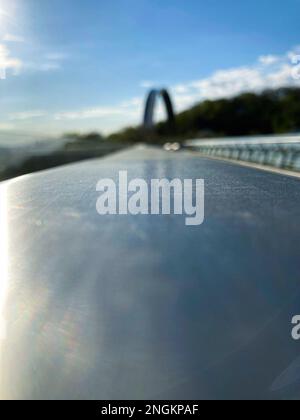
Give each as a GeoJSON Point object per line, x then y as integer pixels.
{"type": "Point", "coordinates": [143, 306]}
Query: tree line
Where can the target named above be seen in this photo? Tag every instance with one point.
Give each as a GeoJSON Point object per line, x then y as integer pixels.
{"type": "Point", "coordinates": [269, 112]}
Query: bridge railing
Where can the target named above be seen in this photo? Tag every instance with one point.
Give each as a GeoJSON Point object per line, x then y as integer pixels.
{"type": "Point", "coordinates": [282, 153]}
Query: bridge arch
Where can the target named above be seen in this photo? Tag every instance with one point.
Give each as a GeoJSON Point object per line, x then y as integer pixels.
{"type": "Point", "coordinates": [150, 107]}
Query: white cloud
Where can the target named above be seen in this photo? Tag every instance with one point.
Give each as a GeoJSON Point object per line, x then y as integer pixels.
{"type": "Point", "coordinates": [180, 89]}
{"type": "Point", "coordinates": [7, 62]}
{"type": "Point", "coordinates": [49, 66]}
{"type": "Point", "coordinates": [128, 109]}
{"type": "Point", "coordinates": [268, 60]}
{"type": "Point", "coordinates": [55, 56]}
{"type": "Point", "coordinates": [147, 84]}
{"type": "Point", "coordinates": [269, 72]}
{"type": "Point", "coordinates": [26, 115]}
{"type": "Point", "coordinates": [134, 102]}
{"type": "Point", "coordinates": [266, 73]}
{"type": "Point", "coordinates": [13, 38]}
{"type": "Point", "coordinates": [89, 113]}
{"type": "Point", "coordinates": [48, 62]}
{"type": "Point", "coordinates": [40, 66]}
{"type": "Point", "coordinates": [224, 83]}
{"type": "Point", "coordinates": [45, 62]}
{"type": "Point", "coordinates": [4, 13]}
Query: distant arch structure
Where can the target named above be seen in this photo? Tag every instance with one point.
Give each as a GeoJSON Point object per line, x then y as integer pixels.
{"type": "Point", "coordinates": [151, 101]}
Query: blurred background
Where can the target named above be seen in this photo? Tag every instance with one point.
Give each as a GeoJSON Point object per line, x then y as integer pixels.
{"type": "Point", "coordinates": [75, 74]}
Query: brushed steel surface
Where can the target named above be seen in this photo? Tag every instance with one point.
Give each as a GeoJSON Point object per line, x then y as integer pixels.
{"type": "Point", "coordinates": [143, 307]}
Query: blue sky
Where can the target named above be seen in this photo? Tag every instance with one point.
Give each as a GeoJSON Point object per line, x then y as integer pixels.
{"type": "Point", "coordinates": [87, 64]}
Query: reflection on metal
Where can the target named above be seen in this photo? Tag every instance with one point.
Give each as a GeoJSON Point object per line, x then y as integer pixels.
{"type": "Point", "coordinates": [150, 107]}
{"type": "Point", "coordinates": [3, 258]}
{"type": "Point", "coordinates": [136, 307]}
{"type": "Point", "coordinates": [172, 147]}
{"type": "Point", "coordinates": [278, 151]}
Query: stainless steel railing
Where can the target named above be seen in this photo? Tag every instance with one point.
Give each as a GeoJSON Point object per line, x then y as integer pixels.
{"type": "Point", "coordinates": [277, 151]}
